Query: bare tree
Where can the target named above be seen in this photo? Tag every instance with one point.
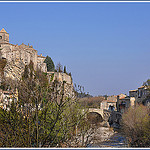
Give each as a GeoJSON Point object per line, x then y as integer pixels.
{"type": "Point", "coordinates": [43, 116]}
{"type": "Point", "coordinates": [136, 125]}
{"type": "Point", "coordinates": [59, 67]}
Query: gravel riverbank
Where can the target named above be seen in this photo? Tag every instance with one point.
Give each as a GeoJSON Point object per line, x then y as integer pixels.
{"type": "Point", "coordinates": [107, 137]}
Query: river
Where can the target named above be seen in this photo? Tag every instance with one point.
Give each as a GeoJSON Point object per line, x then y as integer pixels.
{"type": "Point", "coordinates": [113, 140]}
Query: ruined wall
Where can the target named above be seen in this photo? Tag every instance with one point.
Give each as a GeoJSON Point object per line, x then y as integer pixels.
{"type": "Point", "coordinates": [40, 63]}
{"type": "Point", "coordinates": [60, 76]}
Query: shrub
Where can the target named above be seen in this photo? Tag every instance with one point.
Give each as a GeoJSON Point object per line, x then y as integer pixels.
{"type": "Point", "coordinates": [136, 125]}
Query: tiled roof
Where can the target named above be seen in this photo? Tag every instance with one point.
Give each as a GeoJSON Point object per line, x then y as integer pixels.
{"type": "Point", "coordinates": [122, 97]}
{"type": "Point", "coordinates": [133, 90]}
{"type": "Point", "coordinates": [41, 56]}
{"type": "Point", "coordinates": [141, 87]}
{"type": "Point", "coordinates": [3, 30]}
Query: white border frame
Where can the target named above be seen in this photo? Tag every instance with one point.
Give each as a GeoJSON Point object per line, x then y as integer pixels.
{"type": "Point", "coordinates": [78, 1]}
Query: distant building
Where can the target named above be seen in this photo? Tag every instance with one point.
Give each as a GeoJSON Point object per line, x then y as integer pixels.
{"type": "Point", "coordinates": [112, 98]}
{"type": "Point", "coordinates": [6, 98]}
{"type": "Point", "coordinates": [111, 105]}
{"type": "Point", "coordinates": [124, 103]}
{"type": "Point", "coordinates": [133, 93]}
{"type": "Point", "coordinates": [111, 102]}
{"type": "Point", "coordinates": [140, 95]}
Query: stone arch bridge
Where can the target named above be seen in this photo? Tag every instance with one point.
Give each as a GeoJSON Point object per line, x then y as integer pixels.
{"type": "Point", "coordinates": [105, 113]}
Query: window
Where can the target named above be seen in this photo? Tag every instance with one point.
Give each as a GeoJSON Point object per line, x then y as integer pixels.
{"type": "Point", "coordinates": [0, 37]}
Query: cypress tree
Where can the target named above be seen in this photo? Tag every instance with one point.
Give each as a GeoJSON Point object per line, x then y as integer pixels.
{"type": "Point", "coordinates": [50, 64]}
{"type": "Point", "coordinates": [65, 69]}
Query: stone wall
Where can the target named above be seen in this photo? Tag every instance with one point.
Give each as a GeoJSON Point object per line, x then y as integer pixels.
{"type": "Point", "coordinates": [40, 63]}
{"type": "Point", "coordinates": [60, 76]}
{"type": "Point", "coordinates": [21, 52]}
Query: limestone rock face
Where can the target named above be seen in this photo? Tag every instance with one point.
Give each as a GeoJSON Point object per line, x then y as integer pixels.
{"type": "Point", "coordinates": [14, 69]}
{"type": "Point", "coordinates": [2, 66]}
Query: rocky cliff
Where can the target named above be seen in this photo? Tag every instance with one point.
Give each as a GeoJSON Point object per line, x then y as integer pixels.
{"type": "Point", "coordinates": [14, 69]}
{"type": "Point", "coordinates": [2, 66]}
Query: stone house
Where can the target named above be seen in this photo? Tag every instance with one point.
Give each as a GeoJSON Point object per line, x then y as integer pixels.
{"type": "Point", "coordinates": [133, 93]}
{"type": "Point", "coordinates": [111, 102]}
{"type": "Point", "coordinates": [137, 96]}
{"type": "Point", "coordinates": [6, 98]}
{"type": "Point", "coordinates": [108, 105]}
{"type": "Point", "coordinates": [124, 103]}
{"type": "Point", "coordinates": [140, 95]}
{"type": "Point", "coordinates": [111, 105]}
{"type": "Point", "coordinates": [112, 98]}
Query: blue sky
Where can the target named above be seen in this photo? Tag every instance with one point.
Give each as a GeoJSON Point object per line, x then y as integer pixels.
{"type": "Point", "coordinates": [106, 46]}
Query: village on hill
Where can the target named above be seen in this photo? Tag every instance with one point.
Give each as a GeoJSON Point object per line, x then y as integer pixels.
{"type": "Point", "coordinates": [40, 106]}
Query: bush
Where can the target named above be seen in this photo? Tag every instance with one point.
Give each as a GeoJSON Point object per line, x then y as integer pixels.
{"type": "Point", "coordinates": [136, 125]}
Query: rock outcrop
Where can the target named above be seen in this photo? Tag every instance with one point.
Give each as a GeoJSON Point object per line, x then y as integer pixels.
{"type": "Point", "coordinates": [14, 69]}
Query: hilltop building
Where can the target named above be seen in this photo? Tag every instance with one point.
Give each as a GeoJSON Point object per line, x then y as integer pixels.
{"type": "Point", "coordinates": [18, 56]}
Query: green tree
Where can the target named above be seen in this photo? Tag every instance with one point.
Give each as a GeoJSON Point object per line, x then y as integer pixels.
{"type": "Point", "coordinates": [0, 53]}
{"type": "Point", "coordinates": [65, 69]}
{"type": "Point", "coordinates": [146, 100]}
{"type": "Point", "coordinates": [42, 117]}
{"type": "Point", "coordinates": [50, 64]}
{"type": "Point", "coordinates": [70, 74]}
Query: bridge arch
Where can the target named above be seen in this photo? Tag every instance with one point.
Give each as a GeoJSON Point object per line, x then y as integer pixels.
{"type": "Point", "coordinates": [94, 117]}
{"type": "Point", "coordinates": [99, 111]}
{"type": "Point", "coordinates": [104, 113]}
